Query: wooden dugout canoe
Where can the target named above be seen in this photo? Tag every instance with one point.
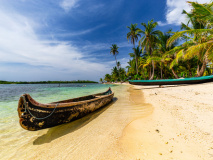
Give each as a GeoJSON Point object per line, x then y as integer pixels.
{"type": "Point", "coordinates": [35, 116]}
{"type": "Point", "coordinates": [193, 80]}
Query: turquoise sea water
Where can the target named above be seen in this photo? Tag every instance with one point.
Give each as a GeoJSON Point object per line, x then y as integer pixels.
{"type": "Point", "coordinates": [44, 93]}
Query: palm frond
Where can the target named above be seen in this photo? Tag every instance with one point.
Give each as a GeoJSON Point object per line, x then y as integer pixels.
{"type": "Point", "coordinates": [184, 26]}
{"type": "Point", "coordinates": [173, 51]}
{"type": "Point", "coordinates": [210, 52]}
{"type": "Point", "coordinates": [194, 50]}
{"type": "Point", "coordinates": [173, 63]}
{"type": "Point", "coordinates": [192, 31]}
{"type": "Point", "coordinates": [132, 55]}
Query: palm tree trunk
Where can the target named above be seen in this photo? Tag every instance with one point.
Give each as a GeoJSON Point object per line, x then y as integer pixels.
{"type": "Point", "coordinates": [136, 63]}
{"type": "Point", "coordinates": [117, 67]}
{"type": "Point", "coordinates": [176, 76]}
{"type": "Point", "coordinates": [198, 69]}
{"type": "Point", "coordinates": [153, 71]}
{"type": "Point", "coordinates": [116, 62]}
{"type": "Point", "coordinates": [161, 71]}
{"type": "Point", "coordinates": [153, 66]}
{"type": "Point", "coordinates": [203, 67]}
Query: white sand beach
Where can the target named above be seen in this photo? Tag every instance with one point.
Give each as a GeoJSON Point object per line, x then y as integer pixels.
{"type": "Point", "coordinates": [180, 127]}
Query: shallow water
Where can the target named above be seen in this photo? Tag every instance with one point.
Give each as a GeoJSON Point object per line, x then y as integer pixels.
{"type": "Point", "coordinates": [95, 136]}
{"type": "Point", "coordinates": [11, 134]}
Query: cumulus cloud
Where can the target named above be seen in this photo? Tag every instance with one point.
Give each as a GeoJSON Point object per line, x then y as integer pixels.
{"type": "Point", "coordinates": [174, 10]}
{"type": "Point", "coordinates": [26, 57]}
{"type": "Point", "coordinates": [67, 5]}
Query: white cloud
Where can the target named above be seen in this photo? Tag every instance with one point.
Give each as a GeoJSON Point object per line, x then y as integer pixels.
{"type": "Point", "coordinates": [174, 11]}
{"type": "Point", "coordinates": [40, 60]}
{"type": "Point", "coordinates": [67, 5]}
{"type": "Point", "coordinates": [161, 23]}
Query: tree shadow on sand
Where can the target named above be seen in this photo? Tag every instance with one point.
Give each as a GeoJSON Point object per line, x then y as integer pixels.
{"type": "Point", "coordinates": [61, 130]}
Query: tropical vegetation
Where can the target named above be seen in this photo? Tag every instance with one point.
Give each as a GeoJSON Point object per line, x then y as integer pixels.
{"type": "Point", "coordinates": [45, 82]}
{"type": "Point", "coordinates": [158, 55]}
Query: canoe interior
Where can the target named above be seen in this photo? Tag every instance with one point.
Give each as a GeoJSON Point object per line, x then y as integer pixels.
{"type": "Point", "coordinates": [193, 80]}
{"type": "Point", "coordinates": [79, 99]}
{"type": "Point", "coordinates": [76, 99]}
{"type": "Point", "coordinates": [34, 115]}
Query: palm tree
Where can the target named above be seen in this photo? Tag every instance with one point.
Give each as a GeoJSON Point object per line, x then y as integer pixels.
{"type": "Point", "coordinates": [162, 55]}
{"type": "Point", "coordinates": [137, 53]}
{"type": "Point", "coordinates": [118, 65]}
{"type": "Point", "coordinates": [203, 12]}
{"type": "Point", "coordinates": [114, 51]}
{"type": "Point", "coordinates": [133, 36]}
{"type": "Point", "coordinates": [107, 78]}
{"type": "Point", "coordinates": [199, 42]}
{"type": "Point", "coordinates": [142, 60]}
{"type": "Point", "coordinates": [149, 40]}
{"type": "Point", "coordinates": [131, 68]}
{"type": "Point", "coordinates": [115, 73]}
{"type": "Point", "coordinates": [122, 74]}
{"type": "Point", "coordinates": [162, 51]}
{"type": "Point", "coordinates": [101, 80]}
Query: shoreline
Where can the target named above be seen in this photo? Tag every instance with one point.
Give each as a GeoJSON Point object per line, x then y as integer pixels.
{"type": "Point", "coordinates": [142, 122]}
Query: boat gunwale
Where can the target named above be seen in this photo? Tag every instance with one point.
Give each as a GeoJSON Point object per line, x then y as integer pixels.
{"type": "Point", "coordinates": [174, 80]}
{"type": "Point", "coordinates": [69, 104]}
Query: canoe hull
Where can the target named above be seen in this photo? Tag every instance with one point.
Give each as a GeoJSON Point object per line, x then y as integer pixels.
{"type": "Point", "coordinates": [31, 117]}
{"type": "Point", "coordinates": [173, 82]}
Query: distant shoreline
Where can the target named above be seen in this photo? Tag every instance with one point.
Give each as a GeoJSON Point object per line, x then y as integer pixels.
{"type": "Point", "coordinates": [46, 82]}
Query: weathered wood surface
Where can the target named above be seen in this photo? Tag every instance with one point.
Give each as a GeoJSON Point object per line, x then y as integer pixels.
{"type": "Point", "coordinates": [35, 116]}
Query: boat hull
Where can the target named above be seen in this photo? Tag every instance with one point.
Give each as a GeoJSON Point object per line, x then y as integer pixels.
{"type": "Point", "coordinates": [194, 80]}
{"type": "Point", "coordinates": [35, 116]}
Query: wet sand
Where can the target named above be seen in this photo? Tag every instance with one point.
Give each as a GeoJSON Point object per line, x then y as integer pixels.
{"type": "Point", "coordinates": [141, 123]}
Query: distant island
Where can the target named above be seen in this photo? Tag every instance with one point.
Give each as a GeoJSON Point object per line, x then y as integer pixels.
{"type": "Point", "coordinates": [45, 82]}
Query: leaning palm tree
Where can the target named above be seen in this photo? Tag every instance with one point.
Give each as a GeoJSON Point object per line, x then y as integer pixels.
{"type": "Point", "coordinates": [114, 52]}
{"type": "Point", "coordinates": [133, 36]}
{"type": "Point", "coordinates": [200, 37]}
{"type": "Point", "coordinates": [203, 12]}
{"type": "Point", "coordinates": [149, 40]}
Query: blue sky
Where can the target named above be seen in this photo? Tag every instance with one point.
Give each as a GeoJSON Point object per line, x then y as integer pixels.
{"type": "Point", "coordinates": [71, 39]}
